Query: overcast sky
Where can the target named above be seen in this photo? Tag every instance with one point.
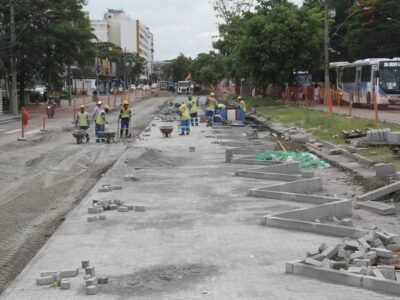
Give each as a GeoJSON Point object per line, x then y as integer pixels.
{"type": "Point", "coordinates": [179, 26]}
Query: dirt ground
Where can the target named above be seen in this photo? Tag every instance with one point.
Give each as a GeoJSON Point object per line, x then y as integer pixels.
{"type": "Point", "coordinates": [44, 178]}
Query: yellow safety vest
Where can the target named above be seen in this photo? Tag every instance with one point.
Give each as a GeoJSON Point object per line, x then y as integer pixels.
{"type": "Point", "coordinates": [125, 113]}
{"type": "Point", "coordinates": [211, 104]}
{"type": "Point", "coordinates": [193, 107]}
{"type": "Point", "coordinates": [243, 105]}
{"type": "Point", "coordinates": [185, 113]}
{"type": "Point", "coordinates": [100, 120]}
{"type": "Point", "coordinates": [83, 119]}
{"type": "Point", "coordinates": [221, 106]}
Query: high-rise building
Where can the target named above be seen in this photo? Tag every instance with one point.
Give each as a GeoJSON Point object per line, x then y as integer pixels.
{"type": "Point", "coordinates": [119, 28]}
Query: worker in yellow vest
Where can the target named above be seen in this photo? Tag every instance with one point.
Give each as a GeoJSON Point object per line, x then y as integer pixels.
{"type": "Point", "coordinates": [82, 121]}
{"type": "Point", "coordinates": [101, 122]}
{"type": "Point", "coordinates": [125, 116]}
{"type": "Point", "coordinates": [242, 104]}
{"type": "Point", "coordinates": [194, 118]}
{"type": "Point", "coordinates": [185, 117]}
{"type": "Point", "coordinates": [211, 105]}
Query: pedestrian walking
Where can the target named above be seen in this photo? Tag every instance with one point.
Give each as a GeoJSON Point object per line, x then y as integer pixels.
{"type": "Point", "coordinates": [185, 117]}
{"type": "Point", "coordinates": [125, 116]}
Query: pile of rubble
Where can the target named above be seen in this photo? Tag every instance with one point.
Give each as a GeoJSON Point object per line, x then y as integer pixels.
{"type": "Point", "coordinates": [375, 254]}
{"type": "Point", "coordinates": [168, 114]}
{"type": "Point", "coordinates": [60, 278]}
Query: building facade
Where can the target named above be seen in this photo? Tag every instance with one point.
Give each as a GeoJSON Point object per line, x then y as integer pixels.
{"type": "Point", "coordinates": [132, 36]}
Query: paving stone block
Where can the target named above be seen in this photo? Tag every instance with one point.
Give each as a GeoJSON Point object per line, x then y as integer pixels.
{"type": "Point", "coordinates": [91, 281]}
{"type": "Point", "coordinates": [102, 280]}
{"type": "Point", "coordinates": [358, 255]}
{"type": "Point", "coordinates": [140, 208]}
{"type": "Point", "coordinates": [92, 219]}
{"type": "Point", "coordinates": [330, 252]}
{"type": "Point", "coordinates": [337, 265]}
{"type": "Point", "coordinates": [130, 207]}
{"type": "Point", "coordinates": [91, 290]}
{"type": "Point", "coordinates": [347, 222]}
{"type": "Point", "coordinates": [95, 210]}
{"type": "Point", "coordinates": [118, 202]}
{"type": "Point", "coordinates": [69, 273]}
{"type": "Point", "coordinates": [387, 261]}
{"type": "Point", "coordinates": [116, 187]}
{"type": "Point", "coordinates": [363, 242]}
{"type": "Point", "coordinates": [393, 247]}
{"type": "Point", "coordinates": [351, 245]}
{"type": "Point", "coordinates": [85, 264]}
{"type": "Point", "coordinates": [65, 284]}
{"type": "Point", "coordinates": [376, 243]}
{"type": "Point", "coordinates": [323, 247]}
{"type": "Point", "coordinates": [130, 178]}
{"type": "Point", "coordinates": [362, 262]}
{"type": "Point", "coordinates": [87, 276]}
{"type": "Point", "coordinates": [384, 253]}
{"type": "Point", "coordinates": [45, 280]}
{"type": "Point", "coordinates": [102, 217]}
{"type": "Point", "coordinates": [384, 236]}
{"type": "Point", "coordinates": [90, 271]}
{"type": "Point", "coordinates": [48, 273]}
{"type": "Point", "coordinates": [103, 190]}
{"type": "Point", "coordinates": [313, 262]}
{"type": "Point", "coordinates": [393, 137]}
{"type": "Point", "coordinates": [112, 206]}
{"type": "Point", "coordinates": [397, 273]}
{"type": "Point", "coordinates": [123, 209]}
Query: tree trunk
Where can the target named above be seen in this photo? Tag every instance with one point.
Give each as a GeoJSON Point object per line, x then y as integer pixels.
{"type": "Point", "coordinates": [22, 88]}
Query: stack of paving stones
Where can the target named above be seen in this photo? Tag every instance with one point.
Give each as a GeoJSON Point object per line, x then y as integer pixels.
{"type": "Point", "coordinates": [378, 135]}
{"type": "Point", "coordinates": [98, 207]}
{"type": "Point", "coordinates": [105, 188]}
{"type": "Point", "coordinates": [372, 255]}
{"type": "Point", "coordinates": [60, 278]}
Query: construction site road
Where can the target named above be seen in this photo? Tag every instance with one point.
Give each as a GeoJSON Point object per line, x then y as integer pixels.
{"type": "Point", "coordinates": [43, 178]}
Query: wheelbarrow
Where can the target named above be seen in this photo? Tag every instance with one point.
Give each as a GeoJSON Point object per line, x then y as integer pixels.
{"type": "Point", "coordinates": [109, 136]}
{"type": "Point", "coordinates": [80, 135]}
{"type": "Point", "coordinates": [166, 130]}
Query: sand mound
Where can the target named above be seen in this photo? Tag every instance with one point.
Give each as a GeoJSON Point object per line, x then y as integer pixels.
{"type": "Point", "coordinates": [154, 158]}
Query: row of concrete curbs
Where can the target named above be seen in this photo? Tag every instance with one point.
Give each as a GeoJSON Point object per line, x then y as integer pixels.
{"type": "Point", "coordinates": [62, 279]}
{"type": "Point", "coordinates": [352, 262]}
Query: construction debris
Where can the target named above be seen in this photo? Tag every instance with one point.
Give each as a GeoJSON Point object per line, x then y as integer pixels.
{"type": "Point", "coordinates": [378, 136]}
{"type": "Point", "coordinates": [305, 159]}
{"type": "Point", "coordinates": [355, 133]}
{"type": "Point", "coordinates": [378, 207]}
{"type": "Point", "coordinates": [385, 170]}
{"type": "Point", "coordinates": [360, 256]}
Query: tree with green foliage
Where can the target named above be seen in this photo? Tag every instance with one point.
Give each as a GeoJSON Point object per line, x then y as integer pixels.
{"type": "Point", "coordinates": [178, 69]}
{"type": "Point", "coordinates": [208, 68]}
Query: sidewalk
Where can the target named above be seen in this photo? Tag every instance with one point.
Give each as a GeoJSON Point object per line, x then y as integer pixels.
{"type": "Point", "coordinates": [199, 237]}
{"type": "Point", "coordinates": [388, 115]}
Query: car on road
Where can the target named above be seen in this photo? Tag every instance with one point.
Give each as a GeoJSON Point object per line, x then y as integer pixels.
{"type": "Point", "coordinates": [132, 87]}
{"type": "Point", "coordinates": [140, 86]}
{"type": "Point", "coordinates": [146, 87]}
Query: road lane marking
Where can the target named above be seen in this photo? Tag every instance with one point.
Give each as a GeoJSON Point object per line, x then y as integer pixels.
{"type": "Point", "coordinates": [13, 131]}
{"type": "Point", "coordinates": [33, 131]}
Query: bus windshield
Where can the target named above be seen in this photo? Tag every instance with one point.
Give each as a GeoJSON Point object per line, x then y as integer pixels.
{"type": "Point", "coordinates": [389, 77]}
{"type": "Point", "coordinates": [184, 84]}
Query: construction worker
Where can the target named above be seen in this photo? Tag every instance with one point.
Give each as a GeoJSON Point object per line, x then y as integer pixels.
{"type": "Point", "coordinates": [194, 118]}
{"type": "Point", "coordinates": [95, 114]}
{"type": "Point", "coordinates": [211, 104]}
{"type": "Point", "coordinates": [101, 122]}
{"type": "Point", "coordinates": [242, 104]}
{"type": "Point", "coordinates": [82, 121]}
{"type": "Point", "coordinates": [125, 116]}
{"type": "Point", "coordinates": [185, 116]}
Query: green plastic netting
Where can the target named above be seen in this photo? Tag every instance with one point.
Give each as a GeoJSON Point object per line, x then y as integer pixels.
{"type": "Point", "coordinates": [306, 160]}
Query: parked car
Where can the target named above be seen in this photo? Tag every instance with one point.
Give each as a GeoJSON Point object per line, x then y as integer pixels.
{"type": "Point", "coordinates": [132, 87]}
{"type": "Point", "coordinates": [140, 86]}
{"type": "Point", "coordinates": [154, 86]}
{"type": "Point", "coordinates": [146, 87]}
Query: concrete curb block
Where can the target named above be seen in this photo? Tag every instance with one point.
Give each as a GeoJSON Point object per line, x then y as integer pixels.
{"type": "Point", "coordinates": [380, 192]}
{"type": "Point", "coordinates": [365, 282]}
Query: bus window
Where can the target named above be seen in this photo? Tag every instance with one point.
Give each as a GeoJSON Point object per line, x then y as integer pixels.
{"type": "Point", "coordinates": [349, 75]}
{"type": "Point", "coordinates": [366, 73]}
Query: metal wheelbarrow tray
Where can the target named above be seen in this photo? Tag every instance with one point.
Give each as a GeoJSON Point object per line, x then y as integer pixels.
{"type": "Point", "coordinates": [166, 130]}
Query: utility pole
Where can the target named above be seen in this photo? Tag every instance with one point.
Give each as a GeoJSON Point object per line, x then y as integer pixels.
{"type": "Point", "coordinates": [13, 98]}
{"type": "Point", "coordinates": [326, 43]}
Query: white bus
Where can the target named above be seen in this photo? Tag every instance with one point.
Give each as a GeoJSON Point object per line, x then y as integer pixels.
{"type": "Point", "coordinates": [360, 80]}
{"type": "Point", "coordinates": [184, 87]}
